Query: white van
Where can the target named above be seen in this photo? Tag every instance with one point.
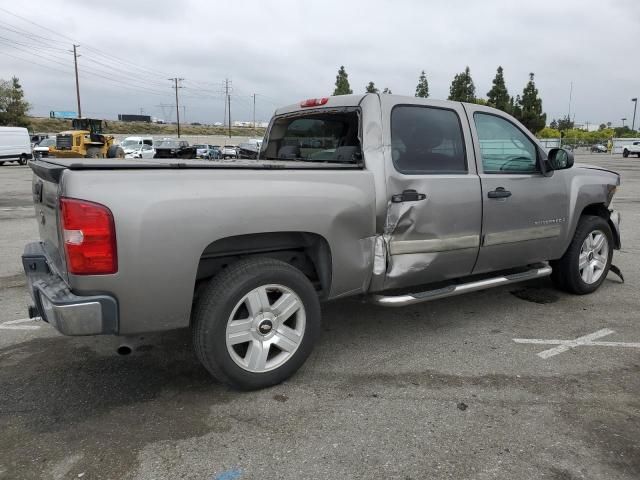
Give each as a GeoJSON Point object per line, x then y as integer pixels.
{"type": "Point", "coordinates": [15, 145]}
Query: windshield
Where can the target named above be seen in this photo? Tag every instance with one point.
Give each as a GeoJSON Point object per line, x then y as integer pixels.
{"type": "Point", "coordinates": [130, 143]}
{"type": "Point", "coordinates": [47, 142]}
{"type": "Point", "coordinates": [316, 136]}
{"type": "Point", "coordinates": [200, 146]}
{"type": "Point", "coordinates": [169, 144]}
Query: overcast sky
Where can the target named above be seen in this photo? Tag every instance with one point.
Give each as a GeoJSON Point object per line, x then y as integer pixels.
{"type": "Point", "coordinates": [285, 51]}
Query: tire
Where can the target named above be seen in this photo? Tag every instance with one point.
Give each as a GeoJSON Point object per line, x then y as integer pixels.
{"type": "Point", "coordinates": [625, 153]}
{"type": "Point", "coordinates": [567, 274]}
{"type": "Point", "coordinates": [115, 151]}
{"type": "Point", "coordinates": [22, 160]}
{"type": "Point", "coordinates": [94, 152]}
{"type": "Point", "coordinates": [249, 289]}
{"type": "Point", "coordinates": [1, 163]}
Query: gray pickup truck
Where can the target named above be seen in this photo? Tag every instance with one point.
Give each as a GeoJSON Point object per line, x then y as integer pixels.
{"type": "Point", "coordinates": [398, 199]}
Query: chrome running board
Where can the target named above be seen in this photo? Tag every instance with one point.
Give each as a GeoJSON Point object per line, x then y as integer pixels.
{"type": "Point", "coordinates": [452, 290]}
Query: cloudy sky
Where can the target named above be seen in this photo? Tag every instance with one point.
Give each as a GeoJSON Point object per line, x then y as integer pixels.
{"type": "Point", "coordinates": [288, 50]}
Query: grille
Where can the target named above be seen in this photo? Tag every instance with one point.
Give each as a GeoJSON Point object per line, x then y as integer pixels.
{"type": "Point", "coordinates": [64, 142]}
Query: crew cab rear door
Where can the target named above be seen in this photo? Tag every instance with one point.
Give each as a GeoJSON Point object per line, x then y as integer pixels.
{"type": "Point", "coordinates": [434, 204]}
{"type": "Point", "coordinates": [524, 211]}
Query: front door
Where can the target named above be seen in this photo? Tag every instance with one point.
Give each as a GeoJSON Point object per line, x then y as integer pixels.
{"type": "Point", "coordinates": [434, 211]}
{"type": "Point", "coordinates": [524, 211]}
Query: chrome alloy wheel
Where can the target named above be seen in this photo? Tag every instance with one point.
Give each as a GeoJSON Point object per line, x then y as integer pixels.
{"type": "Point", "coordinates": [265, 328]}
{"type": "Point", "coordinates": [593, 258]}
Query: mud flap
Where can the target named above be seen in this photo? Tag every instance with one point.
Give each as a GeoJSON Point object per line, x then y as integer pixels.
{"type": "Point", "coordinates": [617, 271]}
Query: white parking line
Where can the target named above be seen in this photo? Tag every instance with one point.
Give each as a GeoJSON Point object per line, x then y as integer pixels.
{"type": "Point", "coordinates": [15, 324]}
{"type": "Point", "coordinates": [585, 341]}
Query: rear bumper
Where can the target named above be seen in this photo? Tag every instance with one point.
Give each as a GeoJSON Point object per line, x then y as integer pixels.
{"type": "Point", "coordinates": [67, 312]}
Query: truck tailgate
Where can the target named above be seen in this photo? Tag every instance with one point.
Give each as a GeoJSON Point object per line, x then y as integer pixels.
{"type": "Point", "coordinates": [45, 188]}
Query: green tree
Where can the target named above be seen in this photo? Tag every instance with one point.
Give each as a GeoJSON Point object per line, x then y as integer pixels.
{"type": "Point", "coordinates": [342, 83]}
{"type": "Point", "coordinates": [548, 132]}
{"type": "Point", "coordinates": [531, 114]}
{"type": "Point", "coordinates": [565, 123]}
{"type": "Point", "coordinates": [13, 107]}
{"type": "Point", "coordinates": [422, 89]}
{"type": "Point", "coordinates": [554, 124]}
{"type": "Point", "coordinates": [602, 126]}
{"type": "Point", "coordinates": [387, 90]}
{"type": "Point", "coordinates": [371, 88]}
{"type": "Point", "coordinates": [498, 97]}
{"type": "Point", "coordinates": [482, 101]}
{"type": "Point", "coordinates": [462, 88]}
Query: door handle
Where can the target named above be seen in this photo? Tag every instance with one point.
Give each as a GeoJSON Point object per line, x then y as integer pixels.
{"type": "Point", "coordinates": [499, 192]}
{"type": "Point", "coordinates": [407, 196]}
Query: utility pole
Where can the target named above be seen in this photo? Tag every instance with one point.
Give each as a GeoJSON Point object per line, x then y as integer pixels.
{"type": "Point", "coordinates": [254, 114]}
{"type": "Point", "coordinates": [635, 104]}
{"type": "Point", "coordinates": [570, 95]}
{"type": "Point", "coordinates": [623, 120]}
{"type": "Point", "coordinates": [176, 87]}
{"type": "Point", "coordinates": [229, 98]}
{"type": "Point", "coordinates": [75, 63]}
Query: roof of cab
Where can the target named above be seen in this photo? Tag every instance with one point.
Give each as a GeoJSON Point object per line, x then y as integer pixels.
{"type": "Point", "coordinates": [334, 101]}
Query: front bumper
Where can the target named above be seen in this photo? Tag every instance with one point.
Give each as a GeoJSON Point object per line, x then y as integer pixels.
{"type": "Point", "coordinates": [614, 220]}
{"type": "Point", "coordinates": [67, 312]}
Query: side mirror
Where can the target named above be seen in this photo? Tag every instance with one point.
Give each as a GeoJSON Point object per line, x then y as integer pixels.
{"type": "Point", "coordinates": [559, 159]}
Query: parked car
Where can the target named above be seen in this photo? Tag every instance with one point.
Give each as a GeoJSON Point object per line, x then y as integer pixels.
{"type": "Point", "coordinates": [169, 148]}
{"type": "Point", "coordinates": [248, 150]}
{"type": "Point", "coordinates": [36, 138]}
{"type": "Point", "coordinates": [134, 142]}
{"type": "Point", "coordinates": [214, 152]}
{"type": "Point", "coordinates": [598, 148]}
{"type": "Point", "coordinates": [631, 149]}
{"type": "Point", "coordinates": [15, 145]}
{"type": "Point", "coordinates": [202, 150]}
{"type": "Point", "coordinates": [140, 151]}
{"type": "Point", "coordinates": [432, 199]}
{"type": "Point", "coordinates": [41, 150]}
{"type": "Point", "coordinates": [229, 151]}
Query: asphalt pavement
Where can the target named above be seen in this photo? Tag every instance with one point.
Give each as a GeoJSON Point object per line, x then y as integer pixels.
{"type": "Point", "coordinates": [433, 391]}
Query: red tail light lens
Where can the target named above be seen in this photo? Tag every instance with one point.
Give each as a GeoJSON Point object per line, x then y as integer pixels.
{"type": "Point", "coordinates": [89, 237]}
{"type": "Point", "coordinates": [314, 102]}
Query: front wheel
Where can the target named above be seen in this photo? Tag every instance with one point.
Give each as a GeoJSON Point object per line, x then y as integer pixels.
{"type": "Point", "coordinates": [585, 264]}
{"type": "Point", "coordinates": [625, 153]}
{"type": "Point", "coordinates": [256, 323]}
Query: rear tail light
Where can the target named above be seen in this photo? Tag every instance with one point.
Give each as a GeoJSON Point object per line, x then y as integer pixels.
{"type": "Point", "coordinates": [314, 102]}
{"type": "Point", "coordinates": [89, 236]}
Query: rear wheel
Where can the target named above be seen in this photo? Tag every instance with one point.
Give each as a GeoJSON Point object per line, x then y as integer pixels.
{"type": "Point", "coordinates": [625, 153]}
{"type": "Point", "coordinates": [585, 264]}
{"type": "Point", "coordinates": [256, 323]}
{"type": "Point", "coordinates": [1, 163]}
{"type": "Point", "coordinates": [94, 152]}
{"type": "Point", "coordinates": [23, 160]}
{"type": "Point", "coordinates": [115, 151]}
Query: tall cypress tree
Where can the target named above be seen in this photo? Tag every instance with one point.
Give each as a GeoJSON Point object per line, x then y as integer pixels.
{"type": "Point", "coordinates": [531, 114]}
{"type": "Point", "coordinates": [13, 107]}
{"type": "Point", "coordinates": [422, 89]}
{"type": "Point", "coordinates": [498, 97]}
{"type": "Point", "coordinates": [371, 88]}
{"type": "Point", "coordinates": [342, 83]}
{"type": "Point", "coordinates": [462, 88]}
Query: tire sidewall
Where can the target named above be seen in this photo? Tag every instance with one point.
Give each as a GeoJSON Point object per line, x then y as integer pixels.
{"type": "Point", "coordinates": [217, 314]}
{"type": "Point", "coordinates": [592, 223]}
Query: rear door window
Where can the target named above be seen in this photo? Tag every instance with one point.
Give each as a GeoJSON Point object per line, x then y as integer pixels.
{"type": "Point", "coordinates": [427, 140]}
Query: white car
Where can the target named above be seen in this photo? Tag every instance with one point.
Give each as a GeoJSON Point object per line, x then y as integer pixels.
{"type": "Point", "coordinates": [41, 150]}
{"type": "Point", "coordinates": [229, 151]}
{"type": "Point", "coordinates": [633, 149]}
{"type": "Point", "coordinates": [139, 151]}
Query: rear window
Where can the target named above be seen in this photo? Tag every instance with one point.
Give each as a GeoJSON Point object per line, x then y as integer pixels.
{"type": "Point", "coordinates": [320, 136]}
{"type": "Point", "coordinates": [427, 140]}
